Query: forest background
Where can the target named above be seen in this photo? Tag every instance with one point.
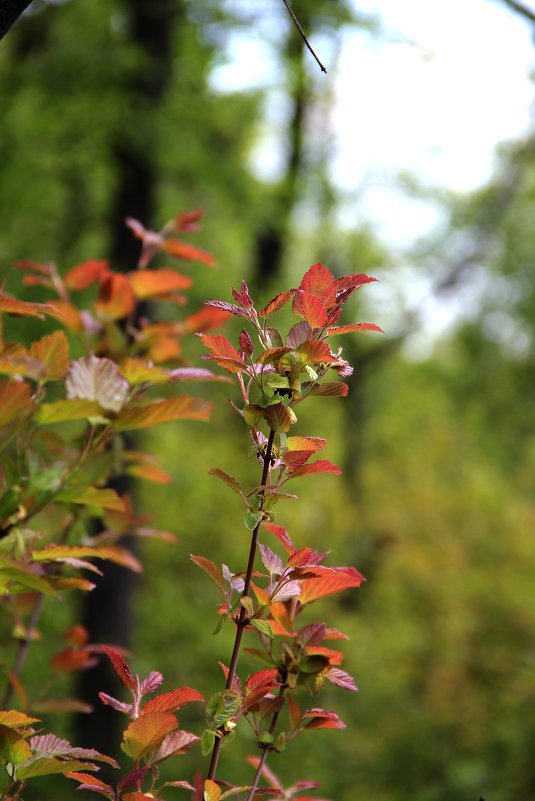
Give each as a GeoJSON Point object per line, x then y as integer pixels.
{"type": "Point", "coordinates": [109, 109]}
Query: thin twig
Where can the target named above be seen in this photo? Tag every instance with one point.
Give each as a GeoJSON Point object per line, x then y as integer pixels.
{"type": "Point", "coordinates": [303, 35]}
{"type": "Point", "coordinates": [266, 748]}
{"type": "Point", "coordinates": [242, 619]}
{"type": "Point", "coordinates": [23, 648]}
{"type": "Point", "coordinates": [521, 9]}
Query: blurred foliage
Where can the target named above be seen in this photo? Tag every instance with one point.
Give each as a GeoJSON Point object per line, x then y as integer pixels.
{"type": "Point", "coordinates": [439, 514]}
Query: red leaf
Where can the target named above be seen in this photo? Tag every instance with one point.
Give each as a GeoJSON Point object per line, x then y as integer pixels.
{"type": "Point", "coordinates": [242, 297]}
{"type": "Point", "coordinates": [83, 275]}
{"type": "Point", "coordinates": [346, 329]}
{"type": "Point", "coordinates": [223, 353]}
{"type": "Point", "coordinates": [300, 557]}
{"type": "Point", "coordinates": [204, 320]}
{"type": "Point", "coordinates": [299, 443]}
{"type": "Point", "coordinates": [353, 281]}
{"type": "Point", "coordinates": [89, 782]}
{"type": "Point", "coordinates": [282, 535]}
{"type": "Point", "coordinates": [177, 742]}
{"type": "Point", "coordinates": [276, 303]}
{"type": "Point", "coordinates": [187, 220]}
{"type": "Point", "coordinates": [334, 657]}
{"type": "Point", "coordinates": [211, 568]}
{"type": "Point", "coordinates": [313, 352]}
{"type": "Point", "coordinates": [341, 578]}
{"type": "Point", "coordinates": [168, 702]}
{"type": "Point", "coordinates": [132, 777]}
{"type": "Point", "coordinates": [260, 679]}
{"type": "Point", "coordinates": [15, 401]}
{"type": "Point", "coordinates": [157, 283]}
{"type": "Point", "coordinates": [311, 308]}
{"type": "Point", "coordinates": [319, 466]}
{"type": "Point", "coordinates": [329, 389]}
{"type": "Point", "coordinates": [320, 282]}
{"type": "Point", "coordinates": [120, 666]}
{"type": "Point", "coordinates": [182, 250]}
{"type": "Point", "coordinates": [295, 459]}
{"type": "Point", "coordinates": [322, 719]}
{"type": "Point", "coordinates": [341, 678]}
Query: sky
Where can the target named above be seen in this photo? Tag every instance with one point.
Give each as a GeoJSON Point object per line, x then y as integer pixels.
{"type": "Point", "coordinates": [433, 95]}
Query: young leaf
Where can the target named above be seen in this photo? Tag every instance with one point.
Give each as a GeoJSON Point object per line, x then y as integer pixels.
{"type": "Point", "coordinates": [279, 417]}
{"type": "Point", "coordinates": [177, 742]}
{"type": "Point", "coordinates": [120, 666]}
{"type": "Point", "coordinates": [263, 627]}
{"type": "Point", "coordinates": [346, 329]}
{"type": "Point", "coordinates": [329, 389]}
{"type": "Point", "coordinates": [212, 791]}
{"type": "Point", "coordinates": [151, 683]}
{"type": "Point", "coordinates": [184, 407]}
{"type": "Point", "coordinates": [139, 371]}
{"type": "Point", "coordinates": [20, 308]}
{"type": "Point", "coordinates": [322, 719]}
{"type": "Point", "coordinates": [91, 496]}
{"type": "Point", "coordinates": [46, 766]}
{"type": "Point", "coordinates": [187, 252]}
{"type": "Point", "coordinates": [116, 298]}
{"type": "Point", "coordinates": [94, 379]}
{"type": "Point", "coordinates": [89, 782]}
{"type": "Point", "coordinates": [276, 303]}
{"type": "Point", "coordinates": [298, 333]}
{"type": "Point", "coordinates": [270, 560]}
{"type": "Point", "coordinates": [341, 678]}
{"type": "Point", "coordinates": [223, 353]}
{"type": "Point", "coordinates": [228, 307]}
{"type": "Point", "coordinates": [282, 535]}
{"type": "Point", "coordinates": [319, 281]}
{"type": "Point", "coordinates": [13, 747]}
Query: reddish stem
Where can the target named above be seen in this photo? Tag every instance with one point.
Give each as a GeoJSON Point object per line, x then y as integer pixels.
{"type": "Point", "coordinates": [266, 748]}
{"type": "Point", "coordinates": [242, 620]}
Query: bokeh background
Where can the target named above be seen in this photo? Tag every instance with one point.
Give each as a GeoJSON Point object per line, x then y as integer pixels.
{"type": "Point", "coordinates": [413, 160]}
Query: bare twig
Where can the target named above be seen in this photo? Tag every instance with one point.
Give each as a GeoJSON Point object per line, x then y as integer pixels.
{"type": "Point", "coordinates": [521, 9]}
{"type": "Point", "coordinates": [304, 36]}
{"type": "Point", "coordinates": [266, 748]}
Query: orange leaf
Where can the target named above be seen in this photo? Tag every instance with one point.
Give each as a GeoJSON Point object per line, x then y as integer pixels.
{"type": "Point", "coordinates": [157, 283]}
{"type": "Point", "coordinates": [181, 408]}
{"type": "Point", "coordinates": [182, 250]}
{"type": "Point", "coordinates": [20, 308]}
{"type": "Point", "coordinates": [320, 282]}
{"type": "Point", "coordinates": [116, 298]}
{"type": "Point", "coordinates": [168, 702]}
{"type": "Point", "coordinates": [211, 568]}
{"type": "Point", "coordinates": [15, 401]}
{"type": "Point", "coordinates": [147, 732]}
{"type": "Point", "coordinates": [149, 472]}
{"type": "Point", "coordinates": [83, 275]}
{"type": "Point", "coordinates": [13, 719]}
{"type": "Point", "coordinates": [212, 791]}
{"type": "Point", "coordinates": [53, 352]}
{"type": "Point", "coordinates": [204, 320]}
{"type": "Point", "coordinates": [276, 303]}
{"type": "Point", "coordinates": [69, 660]}
{"type": "Point", "coordinates": [67, 314]}
{"type": "Point", "coordinates": [347, 329]}
{"type": "Point", "coordinates": [311, 308]}
{"type": "Point", "coordinates": [223, 353]}
{"type": "Point", "coordinates": [313, 352]}
{"type": "Point", "coordinates": [305, 443]}
{"type": "Point", "coordinates": [341, 578]}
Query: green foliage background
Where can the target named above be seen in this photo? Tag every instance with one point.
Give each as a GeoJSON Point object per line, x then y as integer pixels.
{"type": "Point", "coordinates": [436, 503]}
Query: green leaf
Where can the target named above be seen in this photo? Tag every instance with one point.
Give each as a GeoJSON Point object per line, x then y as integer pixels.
{"type": "Point", "coordinates": [251, 520]}
{"type": "Point", "coordinates": [64, 410]}
{"type": "Point", "coordinates": [265, 738]}
{"type": "Point", "coordinates": [91, 496]}
{"type": "Point", "coordinates": [45, 766]}
{"type": "Point", "coordinates": [263, 627]}
{"type": "Point", "coordinates": [13, 747]}
{"type": "Point", "coordinates": [207, 741]}
{"type": "Point", "coordinates": [222, 706]}
{"type": "Point", "coordinates": [147, 732]}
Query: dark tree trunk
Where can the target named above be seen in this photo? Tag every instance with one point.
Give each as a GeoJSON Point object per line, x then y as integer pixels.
{"type": "Point", "coordinates": [108, 610]}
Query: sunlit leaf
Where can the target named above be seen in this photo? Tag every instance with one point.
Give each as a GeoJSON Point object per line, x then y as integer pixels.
{"type": "Point", "coordinates": [322, 719]}
{"type": "Point", "coordinates": [347, 329]}
{"type": "Point", "coordinates": [340, 579]}
{"type": "Point", "coordinates": [49, 765]}
{"type": "Point", "coordinates": [305, 443]}
{"type": "Point", "coordinates": [282, 535]}
{"type": "Point", "coordinates": [67, 314]}
{"type": "Point", "coordinates": [341, 678]}
{"type": "Point", "coordinates": [13, 747]}
{"type": "Point", "coordinates": [89, 782]}
{"type": "Point", "coordinates": [223, 353]}
{"type": "Point", "coordinates": [329, 389]}
{"type": "Point", "coordinates": [151, 414]}
{"type": "Point", "coordinates": [319, 281]}
{"type": "Point", "coordinates": [14, 719]}
{"type": "Point", "coordinates": [147, 732]}
{"type": "Point", "coordinates": [232, 308]}
{"type": "Point", "coordinates": [313, 352]}
{"type": "Point", "coordinates": [311, 308]}
{"type": "Point", "coordinates": [177, 742]}
{"type": "Point", "coordinates": [15, 401]}
{"type": "Point", "coordinates": [212, 791]}
{"type": "Point", "coordinates": [113, 553]}
{"type": "Point", "coordinates": [95, 379]}
{"type": "Point", "coordinates": [204, 320]}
